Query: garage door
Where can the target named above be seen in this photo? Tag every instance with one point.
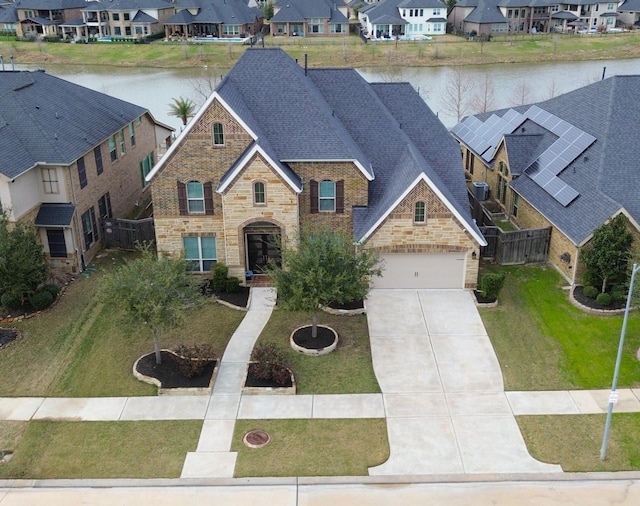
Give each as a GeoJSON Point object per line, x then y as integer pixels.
{"type": "Point", "coordinates": [425, 270]}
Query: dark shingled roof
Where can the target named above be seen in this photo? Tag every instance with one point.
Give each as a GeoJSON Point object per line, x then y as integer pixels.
{"type": "Point", "coordinates": [55, 215]}
{"type": "Point", "coordinates": [486, 12]}
{"type": "Point", "coordinates": [129, 5]}
{"type": "Point", "coordinates": [298, 10]}
{"type": "Point", "coordinates": [387, 11]}
{"type": "Point", "coordinates": [629, 5]}
{"type": "Point", "coordinates": [47, 5]}
{"type": "Point", "coordinates": [334, 114]}
{"type": "Point", "coordinates": [8, 14]}
{"type": "Point", "coordinates": [607, 174]}
{"type": "Point", "coordinates": [44, 119]}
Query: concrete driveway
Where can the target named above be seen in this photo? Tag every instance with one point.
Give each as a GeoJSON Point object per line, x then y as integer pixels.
{"type": "Point", "coordinates": [444, 398]}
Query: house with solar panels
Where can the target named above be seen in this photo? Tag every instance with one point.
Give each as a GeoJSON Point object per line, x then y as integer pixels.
{"type": "Point", "coordinates": [314, 147]}
{"type": "Point", "coordinates": [570, 163]}
{"type": "Point", "coordinates": [72, 158]}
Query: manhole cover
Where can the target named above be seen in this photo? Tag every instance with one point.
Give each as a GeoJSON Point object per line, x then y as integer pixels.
{"type": "Point", "coordinates": [256, 439]}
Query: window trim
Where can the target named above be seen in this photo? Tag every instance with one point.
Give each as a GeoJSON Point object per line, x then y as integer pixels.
{"type": "Point", "coordinates": [201, 260]}
{"type": "Point", "coordinates": [53, 184]}
{"type": "Point", "coordinates": [217, 136]}
{"type": "Point", "coordinates": [420, 208]}
{"type": "Point", "coordinates": [331, 199]}
{"type": "Point", "coordinates": [256, 193]}
{"type": "Point", "coordinates": [194, 200]}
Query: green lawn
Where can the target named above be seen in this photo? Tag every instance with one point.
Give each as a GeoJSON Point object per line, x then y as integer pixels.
{"type": "Point", "coordinates": [80, 348]}
{"type": "Point", "coordinates": [336, 51]}
{"type": "Point", "coordinates": [316, 447]}
{"type": "Point", "coordinates": [49, 450]}
{"type": "Point", "coordinates": [543, 342]}
{"type": "Point", "coordinates": [347, 370]}
{"type": "Point", "coordinates": [574, 441]}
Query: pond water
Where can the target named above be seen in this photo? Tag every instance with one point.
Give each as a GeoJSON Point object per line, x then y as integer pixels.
{"type": "Point", "coordinates": [510, 84]}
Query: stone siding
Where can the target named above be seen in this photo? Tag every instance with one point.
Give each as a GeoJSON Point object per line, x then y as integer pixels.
{"type": "Point", "coordinates": [442, 232]}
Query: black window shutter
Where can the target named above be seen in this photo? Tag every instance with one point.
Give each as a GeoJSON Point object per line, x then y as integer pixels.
{"type": "Point", "coordinates": [340, 197]}
{"type": "Point", "coordinates": [208, 198]}
{"type": "Point", "coordinates": [313, 188]}
{"type": "Point", "coordinates": [182, 198]}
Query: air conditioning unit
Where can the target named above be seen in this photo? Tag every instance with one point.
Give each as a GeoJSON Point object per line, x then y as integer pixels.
{"type": "Point", "coordinates": [481, 190]}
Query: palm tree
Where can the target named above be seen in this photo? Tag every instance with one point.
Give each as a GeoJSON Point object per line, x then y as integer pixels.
{"type": "Point", "coordinates": [182, 108]}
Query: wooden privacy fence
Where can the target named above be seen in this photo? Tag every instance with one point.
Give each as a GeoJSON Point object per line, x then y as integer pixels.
{"type": "Point", "coordinates": [127, 234]}
{"type": "Point", "coordinates": [517, 246]}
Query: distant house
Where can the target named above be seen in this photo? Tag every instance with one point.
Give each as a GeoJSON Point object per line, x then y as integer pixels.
{"type": "Point", "coordinates": [570, 163]}
{"type": "Point", "coordinates": [122, 19]}
{"type": "Point", "coordinates": [629, 13]}
{"type": "Point", "coordinates": [308, 18]}
{"type": "Point", "coordinates": [494, 17]}
{"type": "Point", "coordinates": [71, 158]}
{"type": "Point", "coordinates": [403, 18]}
{"type": "Point", "coordinates": [212, 18]}
{"type": "Point", "coordinates": [43, 18]}
{"type": "Point", "coordinates": [316, 147]}
{"type": "Point", "coordinates": [8, 19]}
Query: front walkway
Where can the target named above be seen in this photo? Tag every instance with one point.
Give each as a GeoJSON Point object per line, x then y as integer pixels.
{"type": "Point", "coordinates": [442, 395]}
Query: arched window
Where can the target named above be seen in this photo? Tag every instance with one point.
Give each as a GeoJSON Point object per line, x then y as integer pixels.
{"type": "Point", "coordinates": [218, 134]}
{"type": "Point", "coordinates": [420, 212]}
{"type": "Point", "coordinates": [259, 193]}
{"type": "Point", "coordinates": [195, 197]}
{"type": "Point", "coordinates": [327, 196]}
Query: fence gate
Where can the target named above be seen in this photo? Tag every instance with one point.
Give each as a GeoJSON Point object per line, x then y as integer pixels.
{"type": "Point", "coordinates": [127, 234]}
{"type": "Point", "coordinates": [517, 246]}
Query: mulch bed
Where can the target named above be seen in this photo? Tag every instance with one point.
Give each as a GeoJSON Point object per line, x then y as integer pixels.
{"type": "Point", "coordinates": [239, 298]}
{"type": "Point", "coordinates": [348, 306]}
{"type": "Point", "coordinates": [482, 299]}
{"type": "Point", "coordinates": [302, 337]}
{"type": "Point", "coordinates": [7, 336]}
{"type": "Point", "coordinates": [593, 304]}
{"type": "Point", "coordinates": [169, 374]}
{"type": "Point", "coordinates": [253, 381]}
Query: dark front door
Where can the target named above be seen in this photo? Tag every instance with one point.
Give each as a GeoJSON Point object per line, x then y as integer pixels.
{"type": "Point", "coordinates": [261, 248]}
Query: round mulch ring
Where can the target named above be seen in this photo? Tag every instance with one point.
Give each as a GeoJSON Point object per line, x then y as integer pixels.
{"type": "Point", "coordinates": [325, 342]}
{"type": "Point", "coordinates": [256, 439]}
{"type": "Point", "coordinates": [7, 336]}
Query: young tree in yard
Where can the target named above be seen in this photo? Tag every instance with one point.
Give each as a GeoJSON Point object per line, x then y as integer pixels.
{"type": "Point", "coordinates": [324, 267]}
{"type": "Point", "coordinates": [154, 291]}
{"type": "Point", "coordinates": [22, 262]}
{"type": "Point", "coordinates": [182, 108]}
{"type": "Point", "coordinates": [606, 257]}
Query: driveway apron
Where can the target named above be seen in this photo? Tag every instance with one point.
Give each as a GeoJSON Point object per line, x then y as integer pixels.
{"type": "Point", "coordinates": [444, 398]}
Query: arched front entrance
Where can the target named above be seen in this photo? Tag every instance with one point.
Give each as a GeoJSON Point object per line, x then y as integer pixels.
{"type": "Point", "coordinates": [262, 243]}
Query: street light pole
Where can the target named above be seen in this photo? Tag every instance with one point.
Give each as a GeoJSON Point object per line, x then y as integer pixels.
{"type": "Point", "coordinates": [613, 396]}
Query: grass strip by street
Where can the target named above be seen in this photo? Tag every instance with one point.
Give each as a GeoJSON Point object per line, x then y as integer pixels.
{"type": "Point", "coordinates": [337, 51]}
{"type": "Point", "coordinates": [80, 348]}
{"type": "Point", "coordinates": [56, 450]}
{"type": "Point", "coordinates": [543, 342]}
{"type": "Point", "coordinates": [574, 441]}
{"type": "Point", "coordinates": [347, 370]}
{"type": "Point", "coordinates": [312, 447]}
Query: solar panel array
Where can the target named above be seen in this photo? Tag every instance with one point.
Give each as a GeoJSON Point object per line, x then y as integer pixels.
{"type": "Point", "coordinates": [484, 138]}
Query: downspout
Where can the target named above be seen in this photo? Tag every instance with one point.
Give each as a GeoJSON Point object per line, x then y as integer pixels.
{"type": "Point", "coordinates": [75, 233]}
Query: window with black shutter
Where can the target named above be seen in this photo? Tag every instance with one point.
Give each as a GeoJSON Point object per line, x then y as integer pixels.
{"type": "Point", "coordinates": [182, 198]}
{"type": "Point", "coordinates": [313, 189]}
{"type": "Point", "coordinates": [208, 198]}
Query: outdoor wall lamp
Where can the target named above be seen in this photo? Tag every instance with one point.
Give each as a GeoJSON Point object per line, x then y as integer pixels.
{"type": "Point", "coordinates": [474, 255]}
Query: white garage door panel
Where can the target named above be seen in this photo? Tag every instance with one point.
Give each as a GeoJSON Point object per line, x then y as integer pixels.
{"type": "Point", "coordinates": [425, 270]}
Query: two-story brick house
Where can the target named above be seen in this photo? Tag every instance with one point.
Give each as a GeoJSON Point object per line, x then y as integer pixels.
{"type": "Point", "coordinates": [570, 163]}
{"type": "Point", "coordinates": [71, 157]}
{"type": "Point", "coordinates": [43, 18]}
{"type": "Point", "coordinates": [278, 147]}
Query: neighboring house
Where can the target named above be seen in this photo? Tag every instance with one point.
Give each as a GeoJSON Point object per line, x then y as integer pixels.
{"type": "Point", "coordinates": [629, 13]}
{"type": "Point", "coordinates": [71, 157]}
{"type": "Point", "coordinates": [43, 18]}
{"type": "Point", "coordinates": [305, 18]}
{"type": "Point", "coordinates": [212, 18]}
{"type": "Point", "coordinates": [570, 163]}
{"type": "Point", "coordinates": [8, 19]}
{"type": "Point", "coordinates": [403, 18]}
{"type": "Point", "coordinates": [128, 19]}
{"type": "Point", "coordinates": [493, 17]}
{"type": "Point", "coordinates": [278, 147]}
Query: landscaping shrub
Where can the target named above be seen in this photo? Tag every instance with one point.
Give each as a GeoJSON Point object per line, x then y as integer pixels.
{"type": "Point", "coordinates": [192, 359]}
{"type": "Point", "coordinates": [232, 285]}
{"type": "Point", "coordinates": [269, 363]}
{"type": "Point", "coordinates": [42, 299]}
{"type": "Point", "coordinates": [618, 294]}
{"type": "Point", "coordinates": [219, 274]}
{"type": "Point", "coordinates": [603, 299]}
{"type": "Point", "coordinates": [11, 299]}
{"type": "Point", "coordinates": [590, 291]}
{"type": "Point", "coordinates": [52, 288]}
{"type": "Point", "coordinates": [491, 284]}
